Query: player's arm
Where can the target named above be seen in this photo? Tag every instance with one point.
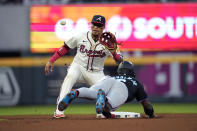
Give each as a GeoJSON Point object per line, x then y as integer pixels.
{"type": "Point", "coordinates": [116, 56]}
{"type": "Point", "coordinates": [148, 108]}
{"type": "Point", "coordinates": [59, 53]}
{"type": "Point", "coordinates": [141, 97]}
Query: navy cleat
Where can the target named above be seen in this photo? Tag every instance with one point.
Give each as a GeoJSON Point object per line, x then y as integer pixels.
{"type": "Point", "coordinates": [100, 104]}
{"type": "Point", "coordinates": [67, 100]}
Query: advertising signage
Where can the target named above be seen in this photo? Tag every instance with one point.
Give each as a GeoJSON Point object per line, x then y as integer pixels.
{"type": "Point", "coordinates": [137, 26]}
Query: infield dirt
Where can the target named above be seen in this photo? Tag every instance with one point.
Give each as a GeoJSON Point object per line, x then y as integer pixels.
{"type": "Point", "coordinates": [164, 122]}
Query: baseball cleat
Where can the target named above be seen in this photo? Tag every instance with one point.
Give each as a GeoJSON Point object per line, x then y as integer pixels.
{"type": "Point", "coordinates": [57, 116]}
{"type": "Point", "coordinates": [100, 104]}
{"type": "Point", "coordinates": [108, 114]}
{"type": "Point", "coordinates": [67, 100]}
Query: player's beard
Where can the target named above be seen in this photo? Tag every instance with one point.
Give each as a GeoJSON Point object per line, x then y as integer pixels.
{"type": "Point", "coordinates": [95, 37]}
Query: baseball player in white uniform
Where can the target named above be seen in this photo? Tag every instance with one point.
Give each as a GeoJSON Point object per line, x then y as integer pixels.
{"type": "Point", "coordinates": [88, 63]}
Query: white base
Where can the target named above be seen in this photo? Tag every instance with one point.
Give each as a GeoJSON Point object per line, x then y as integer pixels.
{"type": "Point", "coordinates": [121, 115]}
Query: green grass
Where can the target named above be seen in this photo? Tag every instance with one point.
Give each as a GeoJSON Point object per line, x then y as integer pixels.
{"type": "Point", "coordinates": [162, 108]}
{"type": "Point", "coordinates": [90, 109]}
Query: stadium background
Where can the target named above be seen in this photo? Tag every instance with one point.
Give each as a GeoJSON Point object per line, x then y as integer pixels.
{"type": "Point", "coordinates": [165, 59]}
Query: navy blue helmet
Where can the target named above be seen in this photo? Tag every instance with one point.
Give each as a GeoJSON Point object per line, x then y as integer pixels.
{"type": "Point", "coordinates": [126, 68]}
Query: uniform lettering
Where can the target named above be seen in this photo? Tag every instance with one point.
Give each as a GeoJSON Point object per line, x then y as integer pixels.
{"type": "Point", "coordinates": [125, 78]}
{"type": "Point", "coordinates": [92, 53]}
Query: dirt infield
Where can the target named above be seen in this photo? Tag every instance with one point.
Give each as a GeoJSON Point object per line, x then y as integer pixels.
{"type": "Point", "coordinates": [164, 122]}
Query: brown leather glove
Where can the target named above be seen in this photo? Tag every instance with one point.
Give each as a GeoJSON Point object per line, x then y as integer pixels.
{"type": "Point", "coordinates": [108, 40]}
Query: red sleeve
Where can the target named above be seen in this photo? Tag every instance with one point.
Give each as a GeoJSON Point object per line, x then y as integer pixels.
{"type": "Point", "coordinates": [60, 52]}
{"type": "Point", "coordinates": [117, 57]}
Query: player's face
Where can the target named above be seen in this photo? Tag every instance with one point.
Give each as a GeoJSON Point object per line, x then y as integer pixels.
{"type": "Point", "coordinates": [97, 29]}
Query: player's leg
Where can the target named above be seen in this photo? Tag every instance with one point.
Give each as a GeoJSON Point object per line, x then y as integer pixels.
{"type": "Point", "coordinates": [72, 76]}
{"type": "Point", "coordinates": [84, 92]}
{"type": "Point", "coordinates": [117, 95]}
{"type": "Point", "coordinates": [99, 91]}
{"type": "Point", "coordinates": [92, 78]}
{"type": "Point", "coordinates": [68, 99]}
{"type": "Point", "coordinates": [102, 105]}
{"type": "Point", "coordinates": [91, 93]}
{"type": "Point", "coordinates": [111, 100]}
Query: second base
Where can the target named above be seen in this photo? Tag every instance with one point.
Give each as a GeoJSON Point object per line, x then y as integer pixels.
{"type": "Point", "coordinates": [121, 115]}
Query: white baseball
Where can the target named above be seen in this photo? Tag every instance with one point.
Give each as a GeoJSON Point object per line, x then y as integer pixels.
{"type": "Point", "coordinates": [63, 22]}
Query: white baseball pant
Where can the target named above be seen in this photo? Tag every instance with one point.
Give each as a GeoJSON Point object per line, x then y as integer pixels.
{"type": "Point", "coordinates": [116, 92]}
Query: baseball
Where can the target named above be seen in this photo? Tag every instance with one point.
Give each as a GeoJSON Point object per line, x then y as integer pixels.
{"type": "Point", "coordinates": [63, 22]}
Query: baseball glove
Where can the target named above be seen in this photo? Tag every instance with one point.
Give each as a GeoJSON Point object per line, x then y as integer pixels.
{"type": "Point", "coordinates": [108, 40]}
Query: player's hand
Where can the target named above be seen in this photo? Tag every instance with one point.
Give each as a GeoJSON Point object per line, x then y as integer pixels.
{"type": "Point", "coordinates": [153, 116]}
{"type": "Point", "coordinates": [112, 51]}
{"type": "Point", "coordinates": [48, 67]}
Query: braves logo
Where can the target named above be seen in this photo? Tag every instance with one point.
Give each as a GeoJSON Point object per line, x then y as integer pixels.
{"type": "Point", "coordinates": [99, 18]}
{"type": "Point", "coordinates": [92, 53]}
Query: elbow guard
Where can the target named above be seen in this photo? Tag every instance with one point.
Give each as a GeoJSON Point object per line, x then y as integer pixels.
{"type": "Point", "coordinates": [60, 52]}
{"type": "Point", "coordinates": [63, 50]}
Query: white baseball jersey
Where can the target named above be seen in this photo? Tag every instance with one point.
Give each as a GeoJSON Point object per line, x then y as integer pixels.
{"type": "Point", "coordinates": [90, 54]}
